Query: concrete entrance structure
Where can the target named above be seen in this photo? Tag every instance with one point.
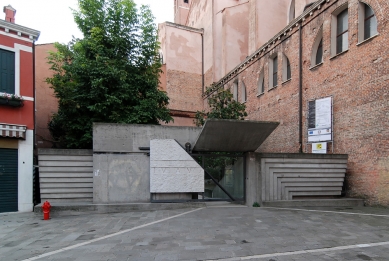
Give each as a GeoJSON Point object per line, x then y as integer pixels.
{"type": "Point", "coordinates": [124, 173]}
{"type": "Point", "coordinates": [121, 169]}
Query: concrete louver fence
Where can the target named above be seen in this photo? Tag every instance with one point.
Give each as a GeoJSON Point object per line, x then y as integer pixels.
{"type": "Point", "coordinates": [307, 176]}
{"type": "Point", "coordinates": [66, 175]}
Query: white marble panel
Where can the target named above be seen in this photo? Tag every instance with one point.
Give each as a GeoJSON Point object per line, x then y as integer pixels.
{"type": "Point", "coordinates": [172, 169]}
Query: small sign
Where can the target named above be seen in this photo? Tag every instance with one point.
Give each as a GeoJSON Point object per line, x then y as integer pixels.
{"type": "Point", "coordinates": [319, 147]}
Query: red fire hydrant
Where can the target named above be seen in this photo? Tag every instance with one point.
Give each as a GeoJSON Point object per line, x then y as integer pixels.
{"type": "Point", "coordinates": [46, 210]}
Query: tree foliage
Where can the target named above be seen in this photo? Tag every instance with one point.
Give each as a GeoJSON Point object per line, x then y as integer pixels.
{"type": "Point", "coordinates": [222, 106]}
{"type": "Point", "coordinates": [111, 75]}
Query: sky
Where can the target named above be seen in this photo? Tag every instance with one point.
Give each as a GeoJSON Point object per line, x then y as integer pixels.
{"type": "Point", "coordinates": [54, 18]}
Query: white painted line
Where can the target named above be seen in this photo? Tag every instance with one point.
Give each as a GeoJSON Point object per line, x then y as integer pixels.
{"type": "Point", "coordinates": [328, 211]}
{"type": "Point", "coordinates": [302, 252]}
{"type": "Point", "coordinates": [107, 236]}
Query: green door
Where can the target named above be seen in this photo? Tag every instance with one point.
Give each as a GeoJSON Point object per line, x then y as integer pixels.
{"type": "Point", "coordinates": [8, 180]}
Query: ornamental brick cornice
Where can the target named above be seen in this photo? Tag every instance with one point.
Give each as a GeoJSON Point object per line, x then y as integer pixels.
{"type": "Point", "coordinates": [279, 37]}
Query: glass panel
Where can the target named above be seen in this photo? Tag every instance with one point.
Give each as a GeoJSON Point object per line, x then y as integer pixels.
{"type": "Point", "coordinates": [342, 23]}
{"type": "Point", "coordinates": [368, 11]}
{"type": "Point", "coordinates": [288, 72]}
{"type": "Point", "coordinates": [275, 65]}
{"type": "Point", "coordinates": [345, 41]}
{"type": "Point", "coordinates": [370, 27]}
{"type": "Point", "coordinates": [342, 43]}
{"type": "Point", "coordinates": [263, 84]}
{"type": "Point", "coordinates": [228, 172]}
{"type": "Point", "coordinates": [275, 80]}
{"type": "Point", "coordinates": [319, 53]}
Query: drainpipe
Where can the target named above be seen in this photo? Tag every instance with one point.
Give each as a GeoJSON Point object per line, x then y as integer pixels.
{"type": "Point", "coordinates": [300, 90]}
{"type": "Point", "coordinates": [34, 91]}
{"type": "Point", "coordinates": [202, 61]}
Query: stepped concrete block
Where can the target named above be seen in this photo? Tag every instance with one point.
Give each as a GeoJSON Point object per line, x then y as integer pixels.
{"type": "Point", "coordinates": [284, 186]}
{"type": "Point", "coordinates": [314, 193]}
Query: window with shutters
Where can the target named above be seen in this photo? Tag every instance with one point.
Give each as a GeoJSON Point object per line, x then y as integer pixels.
{"type": "Point", "coordinates": [7, 71]}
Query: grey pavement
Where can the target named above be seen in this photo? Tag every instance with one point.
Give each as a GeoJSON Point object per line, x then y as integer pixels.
{"type": "Point", "coordinates": [218, 232]}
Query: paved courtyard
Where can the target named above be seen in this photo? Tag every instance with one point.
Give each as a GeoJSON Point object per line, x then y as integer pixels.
{"type": "Point", "coordinates": [221, 232]}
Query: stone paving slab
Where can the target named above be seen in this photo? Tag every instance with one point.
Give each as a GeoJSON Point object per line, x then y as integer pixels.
{"type": "Point", "coordinates": [212, 233]}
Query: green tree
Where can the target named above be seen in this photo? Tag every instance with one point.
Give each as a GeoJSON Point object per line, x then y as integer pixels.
{"type": "Point", "coordinates": [111, 75]}
{"type": "Point", "coordinates": [222, 106]}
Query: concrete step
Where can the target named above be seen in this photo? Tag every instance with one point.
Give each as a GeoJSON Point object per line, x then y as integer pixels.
{"type": "Point", "coordinates": [82, 207]}
{"type": "Point", "coordinates": [341, 202]}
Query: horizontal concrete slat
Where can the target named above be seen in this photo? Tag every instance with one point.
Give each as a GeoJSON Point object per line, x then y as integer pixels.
{"type": "Point", "coordinates": [293, 170]}
{"type": "Point", "coordinates": [67, 200]}
{"type": "Point", "coordinates": [307, 165]}
{"type": "Point", "coordinates": [310, 161]}
{"type": "Point", "coordinates": [66, 185]}
{"type": "Point", "coordinates": [66, 190]}
{"type": "Point", "coordinates": [88, 180]}
{"type": "Point", "coordinates": [65, 175]}
{"type": "Point", "coordinates": [65, 164]}
{"type": "Point", "coordinates": [64, 158]}
{"type": "Point", "coordinates": [65, 169]}
{"type": "Point", "coordinates": [310, 179]}
{"type": "Point", "coordinates": [67, 196]}
{"type": "Point", "coordinates": [315, 193]}
{"type": "Point", "coordinates": [312, 184]}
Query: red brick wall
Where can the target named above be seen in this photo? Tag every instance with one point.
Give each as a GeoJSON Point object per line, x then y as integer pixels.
{"type": "Point", "coordinates": [358, 82]}
{"type": "Point", "coordinates": [184, 90]}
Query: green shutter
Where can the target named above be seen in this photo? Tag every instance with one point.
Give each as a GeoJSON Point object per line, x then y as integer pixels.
{"type": "Point", "coordinates": [8, 180]}
{"type": "Point", "coordinates": [7, 69]}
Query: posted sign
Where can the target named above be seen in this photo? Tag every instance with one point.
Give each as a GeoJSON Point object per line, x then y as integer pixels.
{"type": "Point", "coordinates": [320, 120]}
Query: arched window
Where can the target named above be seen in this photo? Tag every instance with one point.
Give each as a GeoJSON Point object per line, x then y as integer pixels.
{"type": "Point", "coordinates": [273, 71]}
{"type": "Point", "coordinates": [367, 22]}
{"type": "Point", "coordinates": [261, 82]}
{"type": "Point", "coordinates": [339, 30]}
{"type": "Point", "coordinates": [286, 70]}
{"type": "Point", "coordinates": [243, 92]}
{"type": "Point", "coordinates": [235, 90]}
{"type": "Point", "coordinates": [317, 49]}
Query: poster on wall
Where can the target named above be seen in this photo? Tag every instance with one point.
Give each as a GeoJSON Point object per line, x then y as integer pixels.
{"type": "Point", "coordinates": [320, 120]}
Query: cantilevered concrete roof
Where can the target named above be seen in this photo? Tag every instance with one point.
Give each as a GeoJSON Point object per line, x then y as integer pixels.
{"type": "Point", "coordinates": [233, 135]}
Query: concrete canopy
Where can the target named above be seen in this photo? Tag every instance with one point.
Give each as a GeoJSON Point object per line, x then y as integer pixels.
{"type": "Point", "coordinates": [233, 135]}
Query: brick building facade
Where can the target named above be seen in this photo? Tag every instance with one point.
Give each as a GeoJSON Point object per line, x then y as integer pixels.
{"type": "Point", "coordinates": [290, 53]}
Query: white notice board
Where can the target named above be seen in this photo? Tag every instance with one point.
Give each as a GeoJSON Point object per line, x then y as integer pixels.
{"type": "Point", "coordinates": [320, 120]}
